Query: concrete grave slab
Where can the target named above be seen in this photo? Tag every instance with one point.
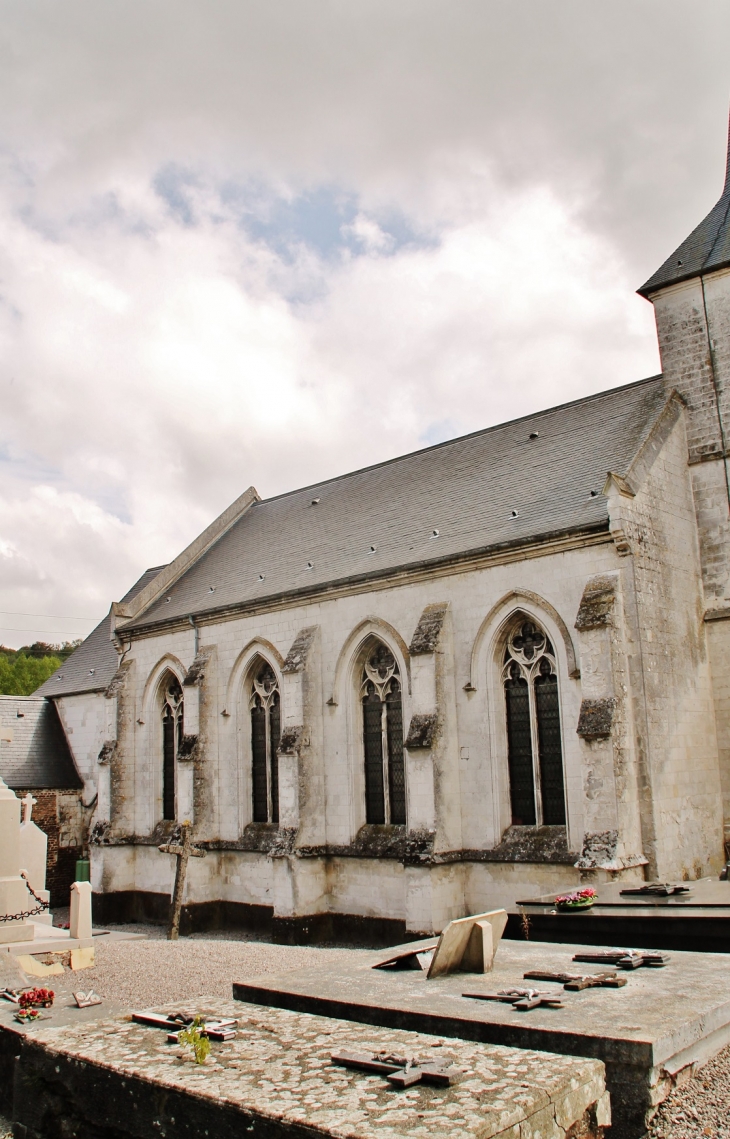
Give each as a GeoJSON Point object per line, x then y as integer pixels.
{"type": "Point", "coordinates": [113, 1078]}
{"type": "Point", "coordinates": [649, 1033]}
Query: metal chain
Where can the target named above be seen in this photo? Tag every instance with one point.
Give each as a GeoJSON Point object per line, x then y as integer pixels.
{"type": "Point", "coordinates": [27, 913]}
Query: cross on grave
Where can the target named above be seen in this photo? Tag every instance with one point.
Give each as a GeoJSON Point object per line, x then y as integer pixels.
{"type": "Point", "coordinates": [28, 804]}
{"type": "Point", "coordinates": [658, 889]}
{"type": "Point", "coordinates": [182, 852]}
{"type": "Point", "coordinates": [578, 981]}
{"type": "Point", "coordinates": [522, 999]}
{"type": "Point", "coordinates": [625, 958]}
{"type": "Point", "coordinates": [400, 1071]}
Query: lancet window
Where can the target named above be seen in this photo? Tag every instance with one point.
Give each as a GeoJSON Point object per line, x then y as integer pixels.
{"type": "Point", "coordinates": [382, 707]}
{"type": "Point", "coordinates": [534, 744]}
{"type": "Point", "coordinates": [265, 705]}
{"type": "Point", "coordinates": [172, 732]}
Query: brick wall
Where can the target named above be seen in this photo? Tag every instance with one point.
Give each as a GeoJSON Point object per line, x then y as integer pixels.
{"type": "Point", "coordinates": [55, 813]}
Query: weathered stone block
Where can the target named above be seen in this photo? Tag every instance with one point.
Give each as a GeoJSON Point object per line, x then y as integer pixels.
{"type": "Point", "coordinates": [596, 718]}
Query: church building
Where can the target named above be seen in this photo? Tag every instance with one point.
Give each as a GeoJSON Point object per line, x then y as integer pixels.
{"type": "Point", "coordinates": [496, 667]}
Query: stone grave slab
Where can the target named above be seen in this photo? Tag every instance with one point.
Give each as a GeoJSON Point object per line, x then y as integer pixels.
{"type": "Point", "coordinates": [648, 921]}
{"type": "Point", "coordinates": [114, 1077]}
{"type": "Point", "coordinates": [64, 1012]}
{"type": "Point", "coordinates": [650, 1033]}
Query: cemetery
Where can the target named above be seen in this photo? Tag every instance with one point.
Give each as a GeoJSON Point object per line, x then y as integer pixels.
{"type": "Point", "coordinates": [467, 1031]}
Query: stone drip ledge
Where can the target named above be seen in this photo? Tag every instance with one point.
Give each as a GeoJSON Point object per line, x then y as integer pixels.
{"type": "Point", "coordinates": [395, 843]}
{"type": "Point", "coordinates": [113, 1078]}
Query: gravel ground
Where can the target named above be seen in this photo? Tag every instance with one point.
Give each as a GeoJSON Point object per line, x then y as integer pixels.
{"type": "Point", "coordinates": [157, 971]}
{"type": "Point", "coordinates": [700, 1108]}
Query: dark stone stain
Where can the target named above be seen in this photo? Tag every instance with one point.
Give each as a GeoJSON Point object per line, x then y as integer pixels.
{"type": "Point", "coordinates": [196, 673]}
{"type": "Point", "coordinates": [107, 752]}
{"type": "Point", "coordinates": [596, 718]}
{"type": "Point", "coordinates": [598, 847]}
{"type": "Point", "coordinates": [117, 682]}
{"type": "Point", "coordinates": [291, 741]}
{"type": "Point", "coordinates": [596, 604]}
{"type": "Point", "coordinates": [531, 844]}
{"type": "Point", "coordinates": [422, 731]}
{"type": "Point", "coordinates": [428, 630]}
{"type": "Point", "coordinates": [296, 660]}
{"type": "Point", "coordinates": [188, 748]}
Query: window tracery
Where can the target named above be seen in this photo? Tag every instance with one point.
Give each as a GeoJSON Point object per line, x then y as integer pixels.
{"type": "Point", "coordinates": [381, 697]}
{"type": "Point", "coordinates": [172, 733]}
{"type": "Point", "coordinates": [265, 707]}
{"type": "Point", "coordinates": [534, 744]}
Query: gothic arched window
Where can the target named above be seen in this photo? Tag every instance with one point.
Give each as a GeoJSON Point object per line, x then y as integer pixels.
{"type": "Point", "coordinates": [385, 775]}
{"type": "Point", "coordinates": [534, 746]}
{"type": "Point", "coordinates": [265, 735]}
{"type": "Point", "coordinates": [172, 732]}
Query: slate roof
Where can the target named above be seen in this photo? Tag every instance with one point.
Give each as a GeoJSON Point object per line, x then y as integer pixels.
{"type": "Point", "coordinates": [93, 664]}
{"type": "Point", "coordinates": [38, 755]}
{"type": "Point", "coordinates": [706, 249]}
{"type": "Point", "coordinates": [466, 490]}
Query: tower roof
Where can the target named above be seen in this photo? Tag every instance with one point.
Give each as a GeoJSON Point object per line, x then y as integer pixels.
{"type": "Point", "coordinates": [706, 249]}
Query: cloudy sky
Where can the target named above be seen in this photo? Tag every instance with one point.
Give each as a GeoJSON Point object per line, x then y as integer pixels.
{"type": "Point", "coordinates": [268, 242]}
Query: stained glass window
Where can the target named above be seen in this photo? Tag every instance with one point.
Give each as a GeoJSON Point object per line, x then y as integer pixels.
{"type": "Point", "coordinates": [172, 729]}
{"type": "Point", "coordinates": [382, 705]}
{"type": "Point", "coordinates": [265, 708]}
{"type": "Point", "coordinates": [534, 744]}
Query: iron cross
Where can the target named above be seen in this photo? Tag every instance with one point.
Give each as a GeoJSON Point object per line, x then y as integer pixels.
{"type": "Point", "coordinates": [182, 852]}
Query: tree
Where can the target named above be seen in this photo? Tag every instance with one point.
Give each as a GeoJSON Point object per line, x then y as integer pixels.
{"type": "Point", "coordinates": [23, 670]}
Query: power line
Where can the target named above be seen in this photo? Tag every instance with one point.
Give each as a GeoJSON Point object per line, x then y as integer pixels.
{"type": "Point", "coordinates": [55, 616]}
{"type": "Point", "coordinates": [10, 629]}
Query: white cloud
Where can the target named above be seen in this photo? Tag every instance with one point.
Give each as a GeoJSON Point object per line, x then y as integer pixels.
{"type": "Point", "coordinates": [266, 245]}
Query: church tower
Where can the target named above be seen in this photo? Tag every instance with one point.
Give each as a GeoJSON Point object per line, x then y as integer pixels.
{"type": "Point", "coordinates": [691, 298]}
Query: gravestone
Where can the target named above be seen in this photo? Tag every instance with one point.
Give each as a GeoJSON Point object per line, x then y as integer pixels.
{"type": "Point", "coordinates": [16, 902]}
{"type": "Point", "coordinates": [649, 1032]}
{"type": "Point", "coordinates": [33, 853]}
{"type": "Point", "coordinates": [278, 1076]}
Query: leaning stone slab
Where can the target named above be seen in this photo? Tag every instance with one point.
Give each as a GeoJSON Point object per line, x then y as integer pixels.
{"type": "Point", "coordinates": [650, 1034]}
{"type": "Point", "coordinates": [114, 1078]}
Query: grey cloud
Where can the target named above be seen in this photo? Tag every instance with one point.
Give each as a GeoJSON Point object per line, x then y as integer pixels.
{"type": "Point", "coordinates": [254, 242]}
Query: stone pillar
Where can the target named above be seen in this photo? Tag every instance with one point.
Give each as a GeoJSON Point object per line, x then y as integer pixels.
{"type": "Point", "coordinates": [80, 917]}
{"type": "Point", "coordinates": [14, 895]}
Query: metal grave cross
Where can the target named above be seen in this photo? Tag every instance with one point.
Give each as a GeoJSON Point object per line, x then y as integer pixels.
{"type": "Point", "coordinates": [182, 852]}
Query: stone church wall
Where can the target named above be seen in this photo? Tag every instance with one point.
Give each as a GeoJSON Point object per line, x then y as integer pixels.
{"type": "Point", "coordinates": [637, 726]}
{"type": "Point", "coordinates": [678, 779]}
{"type": "Point", "coordinates": [693, 326]}
{"type": "Point", "coordinates": [460, 788]}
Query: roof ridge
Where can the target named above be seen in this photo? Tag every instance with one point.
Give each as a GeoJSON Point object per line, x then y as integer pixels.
{"type": "Point", "coordinates": [457, 439]}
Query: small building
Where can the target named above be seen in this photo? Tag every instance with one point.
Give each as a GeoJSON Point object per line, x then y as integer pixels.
{"type": "Point", "coordinates": [35, 757]}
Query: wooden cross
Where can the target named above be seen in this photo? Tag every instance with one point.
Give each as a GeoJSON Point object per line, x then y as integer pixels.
{"type": "Point", "coordinates": [182, 852]}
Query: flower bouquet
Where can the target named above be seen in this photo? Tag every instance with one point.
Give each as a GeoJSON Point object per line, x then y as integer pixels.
{"type": "Point", "coordinates": [576, 900]}
{"type": "Point", "coordinates": [28, 1015]}
{"type": "Point", "coordinates": [36, 998]}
